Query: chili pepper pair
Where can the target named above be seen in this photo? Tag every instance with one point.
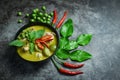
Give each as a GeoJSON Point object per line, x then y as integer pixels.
{"type": "Point", "coordinates": [61, 20]}
{"type": "Point", "coordinates": [43, 40]}
{"type": "Point", "coordinates": [65, 71]}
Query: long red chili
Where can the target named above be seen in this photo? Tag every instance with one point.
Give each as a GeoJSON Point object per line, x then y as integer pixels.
{"type": "Point", "coordinates": [62, 19]}
{"type": "Point", "coordinates": [69, 65]}
{"type": "Point", "coordinates": [55, 16]}
{"type": "Point", "coordinates": [65, 71]}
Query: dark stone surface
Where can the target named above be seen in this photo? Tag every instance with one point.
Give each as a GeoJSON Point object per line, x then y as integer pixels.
{"type": "Point", "coordinates": [99, 17]}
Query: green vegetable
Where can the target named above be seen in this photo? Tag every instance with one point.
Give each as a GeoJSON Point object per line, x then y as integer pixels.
{"type": "Point", "coordinates": [51, 14]}
{"type": "Point", "coordinates": [32, 47]}
{"type": "Point", "coordinates": [27, 15]}
{"type": "Point", "coordinates": [32, 36]}
{"type": "Point", "coordinates": [84, 39]}
{"type": "Point", "coordinates": [19, 13]}
{"type": "Point", "coordinates": [46, 52]}
{"type": "Point", "coordinates": [17, 43]}
{"type": "Point", "coordinates": [62, 54]}
{"type": "Point", "coordinates": [43, 8]}
{"type": "Point", "coordinates": [67, 28]}
{"type": "Point", "coordinates": [32, 20]}
{"type": "Point", "coordinates": [63, 42]}
{"type": "Point", "coordinates": [39, 33]}
{"type": "Point", "coordinates": [20, 21]}
{"type": "Point", "coordinates": [71, 45]}
{"type": "Point", "coordinates": [80, 56]}
{"type": "Point", "coordinates": [35, 34]}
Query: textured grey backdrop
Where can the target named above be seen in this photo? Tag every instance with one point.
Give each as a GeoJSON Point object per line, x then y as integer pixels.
{"type": "Point", "coordinates": [98, 17]}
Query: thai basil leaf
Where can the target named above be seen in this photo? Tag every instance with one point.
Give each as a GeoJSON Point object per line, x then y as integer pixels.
{"type": "Point", "coordinates": [80, 55]}
{"type": "Point", "coordinates": [32, 35]}
{"type": "Point", "coordinates": [84, 39]}
{"type": "Point", "coordinates": [62, 54]}
{"type": "Point", "coordinates": [17, 43]}
{"type": "Point", "coordinates": [39, 33]}
{"type": "Point", "coordinates": [71, 45]}
{"type": "Point", "coordinates": [32, 47]}
{"type": "Point", "coordinates": [67, 29]}
{"type": "Point", "coordinates": [63, 42]}
{"type": "Point", "coordinates": [35, 34]}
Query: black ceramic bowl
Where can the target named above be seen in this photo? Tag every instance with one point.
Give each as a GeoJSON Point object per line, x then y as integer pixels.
{"type": "Point", "coordinates": [40, 24]}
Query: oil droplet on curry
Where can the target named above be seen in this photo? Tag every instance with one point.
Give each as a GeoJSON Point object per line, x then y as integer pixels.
{"type": "Point", "coordinates": [40, 48]}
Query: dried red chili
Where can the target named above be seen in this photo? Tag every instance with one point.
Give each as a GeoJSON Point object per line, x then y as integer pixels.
{"type": "Point", "coordinates": [62, 19]}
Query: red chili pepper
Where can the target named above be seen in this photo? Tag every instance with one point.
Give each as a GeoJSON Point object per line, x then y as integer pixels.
{"type": "Point", "coordinates": [45, 43]}
{"type": "Point", "coordinates": [69, 65]}
{"type": "Point", "coordinates": [66, 64]}
{"type": "Point", "coordinates": [55, 16]}
{"type": "Point", "coordinates": [62, 19]}
{"type": "Point", "coordinates": [65, 71]}
{"type": "Point", "coordinates": [40, 46]}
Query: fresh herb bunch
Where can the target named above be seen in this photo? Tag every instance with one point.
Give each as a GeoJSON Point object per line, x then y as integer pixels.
{"type": "Point", "coordinates": [66, 45]}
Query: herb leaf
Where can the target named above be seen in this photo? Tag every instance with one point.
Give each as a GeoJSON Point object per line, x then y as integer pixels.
{"type": "Point", "coordinates": [39, 33]}
{"type": "Point", "coordinates": [32, 47]}
{"type": "Point", "coordinates": [62, 54]}
{"type": "Point", "coordinates": [32, 35]}
{"type": "Point", "coordinates": [71, 45]}
{"type": "Point", "coordinates": [17, 43]}
{"type": "Point", "coordinates": [67, 29]}
{"type": "Point", "coordinates": [63, 42]}
{"type": "Point", "coordinates": [84, 39]}
{"type": "Point", "coordinates": [35, 34]}
{"type": "Point", "coordinates": [80, 55]}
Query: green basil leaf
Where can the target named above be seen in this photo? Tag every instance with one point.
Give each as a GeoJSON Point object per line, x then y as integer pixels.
{"type": "Point", "coordinates": [39, 33]}
{"type": "Point", "coordinates": [63, 42]}
{"type": "Point", "coordinates": [62, 54]}
{"type": "Point", "coordinates": [80, 55]}
{"type": "Point", "coordinates": [17, 43]}
{"type": "Point", "coordinates": [32, 47]}
{"type": "Point", "coordinates": [67, 28]}
{"type": "Point", "coordinates": [71, 45]}
{"type": "Point", "coordinates": [32, 36]}
{"type": "Point", "coordinates": [84, 39]}
{"type": "Point", "coordinates": [35, 34]}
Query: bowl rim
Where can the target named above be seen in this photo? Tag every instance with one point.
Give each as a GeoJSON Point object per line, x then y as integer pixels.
{"type": "Point", "coordinates": [40, 24]}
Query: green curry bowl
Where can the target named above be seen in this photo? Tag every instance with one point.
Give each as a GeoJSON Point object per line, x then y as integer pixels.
{"type": "Point", "coordinates": [36, 42]}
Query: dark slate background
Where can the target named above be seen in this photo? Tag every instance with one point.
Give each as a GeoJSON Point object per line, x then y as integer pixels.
{"type": "Point", "coordinates": [98, 17]}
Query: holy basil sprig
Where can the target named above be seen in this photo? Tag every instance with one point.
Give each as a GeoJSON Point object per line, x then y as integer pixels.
{"type": "Point", "coordinates": [67, 45]}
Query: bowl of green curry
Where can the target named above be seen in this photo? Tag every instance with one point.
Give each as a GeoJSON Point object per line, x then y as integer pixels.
{"type": "Point", "coordinates": [36, 42]}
